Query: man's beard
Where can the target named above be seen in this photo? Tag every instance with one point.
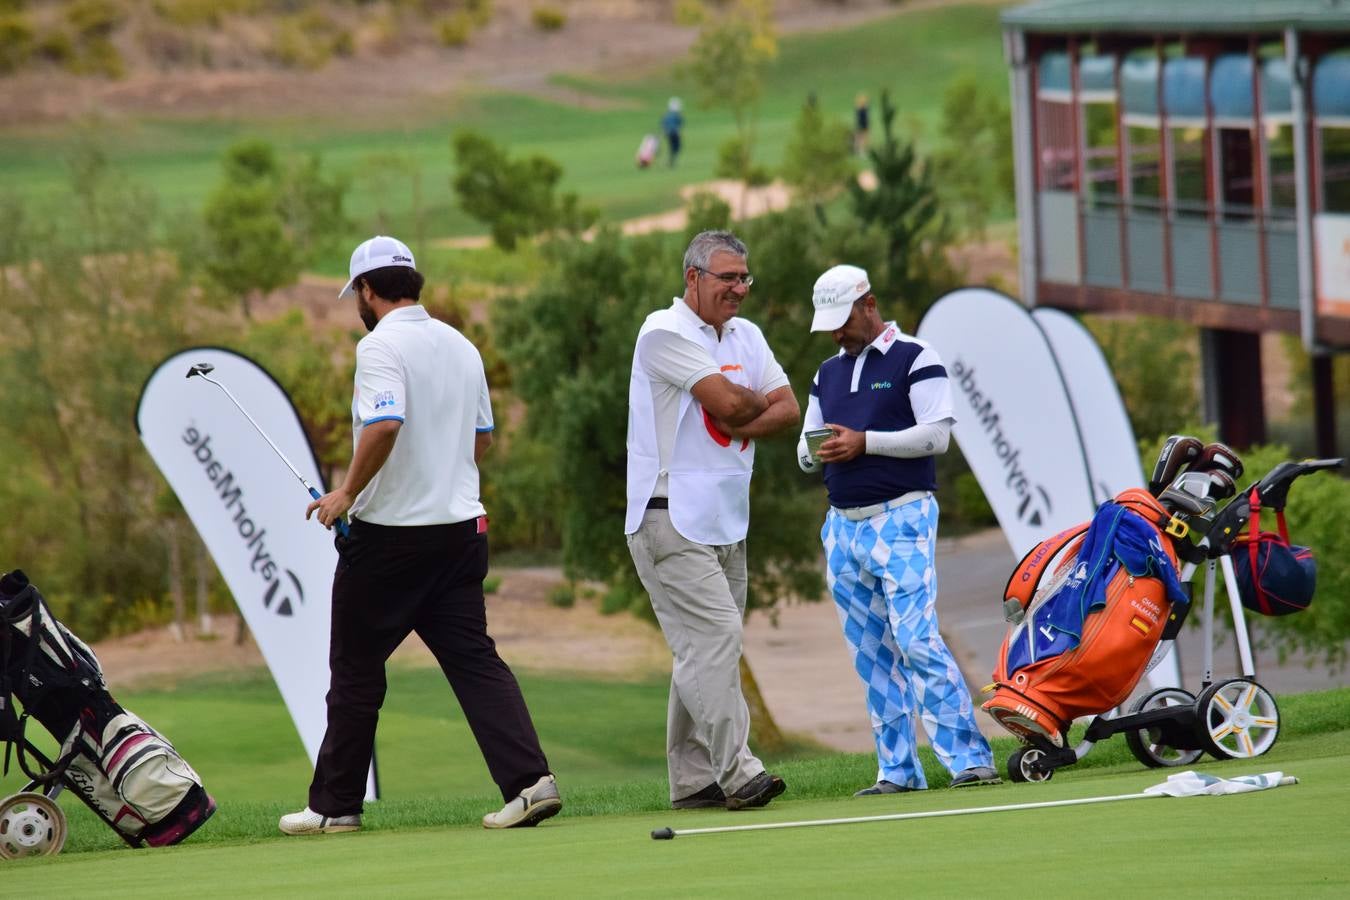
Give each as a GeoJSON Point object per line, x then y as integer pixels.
{"type": "Point", "coordinates": [368, 317]}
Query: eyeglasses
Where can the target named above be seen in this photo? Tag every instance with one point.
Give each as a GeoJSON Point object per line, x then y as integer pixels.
{"type": "Point", "coordinates": [729, 278]}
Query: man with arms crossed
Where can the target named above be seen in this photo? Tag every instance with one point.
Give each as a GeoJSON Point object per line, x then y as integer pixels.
{"type": "Point", "coordinates": [704, 387]}
{"type": "Point", "coordinates": [887, 404]}
{"type": "Point", "coordinates": [417, 551]}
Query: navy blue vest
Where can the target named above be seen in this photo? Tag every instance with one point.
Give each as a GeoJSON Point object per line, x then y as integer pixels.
{"type": "Point", "coordinates": [881, 403]}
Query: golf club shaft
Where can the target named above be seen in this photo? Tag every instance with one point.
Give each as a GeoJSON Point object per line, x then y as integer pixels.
{"type": "Point", "coordinates": [258, 428]}
{"type": "Point", "coordinates": [341, 523]}
{"type": "Point", "coordinates": [669, 833]}
{"type": "Point", "coordinates": [766, 826]}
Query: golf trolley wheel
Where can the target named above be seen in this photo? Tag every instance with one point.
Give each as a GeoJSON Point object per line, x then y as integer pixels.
{"type": "Point", "coordinates": [1021, 766]}
{"type": "Point", "coordinates": [1237, 719]}
{"type": "Point", "coordinates": [1146, 743]}
{"type": "Point", "coordinates": [31, 824]}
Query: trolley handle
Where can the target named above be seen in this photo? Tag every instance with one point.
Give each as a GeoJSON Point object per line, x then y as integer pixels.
{"type": "Point", "coordinates": [1272, 491]}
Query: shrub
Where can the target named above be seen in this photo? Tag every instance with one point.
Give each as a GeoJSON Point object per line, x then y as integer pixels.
{"type": "Point", "coordinates": [564, 596]}
{"type": "Point", "coordinates": [97, 57]}
{"type": "Point", "coordinates": [93, 19]}
{"type": "Point", "coordinates": [480, 11]}
{"type": "Point", "coordinates": [55, 47]}
{"type": "Point", "coordinates": [309, 40]}
{"type": "Point", "coordinates": [16, 42]}
{"type": "Point", "coordinates": [454, 31]}
{"type": "Point", "coordinates": [548, 18]}
{"type": "Point", "coordinates": [690, 13]}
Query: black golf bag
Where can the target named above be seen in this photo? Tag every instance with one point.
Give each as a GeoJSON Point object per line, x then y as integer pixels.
{"type": "Point", "coordinates": [124, 770]}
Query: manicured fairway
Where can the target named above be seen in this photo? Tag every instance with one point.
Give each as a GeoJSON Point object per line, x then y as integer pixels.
{"type": "Point", "coordinates": [1285, 842]}
{"type": "Point", "coordinates": [914, 54]}
{"type": "Point", "coordinates": [606, 742]}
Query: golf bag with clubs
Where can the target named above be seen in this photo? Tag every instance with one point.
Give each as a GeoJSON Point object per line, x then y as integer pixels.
{"type": "Point", "coordinates": [1073, 652]}
{"type": "Point", "coordinates": [119, 766]}
{"type": "Point", "coordinates": [1087, 608]}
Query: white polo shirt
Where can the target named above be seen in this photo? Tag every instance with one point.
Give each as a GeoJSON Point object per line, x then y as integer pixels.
{"type": "Point", "coordinates": [674, 449]}
{"type": "Point", "coordinates": [425, 374]}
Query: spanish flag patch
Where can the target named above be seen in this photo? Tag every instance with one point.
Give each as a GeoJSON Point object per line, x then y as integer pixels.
{"type": "Point", "coordinates": [1140, 624]}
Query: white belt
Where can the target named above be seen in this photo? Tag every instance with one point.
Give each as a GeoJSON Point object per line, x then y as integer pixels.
{"type": "Point", "coordinates": [858, 513]}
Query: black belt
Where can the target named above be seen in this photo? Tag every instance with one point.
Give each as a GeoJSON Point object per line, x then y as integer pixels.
{"type": "Point", "coordinates": [659, 503]}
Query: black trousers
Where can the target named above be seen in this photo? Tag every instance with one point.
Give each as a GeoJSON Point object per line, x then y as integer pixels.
{"type": "Point", "coordinates": [392, 581]}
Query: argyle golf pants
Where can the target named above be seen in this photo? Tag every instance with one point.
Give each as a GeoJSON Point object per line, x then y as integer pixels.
{"type": "Point", "coordinates": [880, 572]}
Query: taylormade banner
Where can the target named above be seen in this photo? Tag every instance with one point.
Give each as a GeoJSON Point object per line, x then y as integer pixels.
{"type": "Point", "coordinates": [1014, 422]}
{"type": "Point", "coordinates": [1109, 444]}
{"type": "Point", "coordinates": [250, 512]}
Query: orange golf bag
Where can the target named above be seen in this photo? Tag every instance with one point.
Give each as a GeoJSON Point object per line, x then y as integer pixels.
{"type": "Point", "coordinates": [1088, 606]}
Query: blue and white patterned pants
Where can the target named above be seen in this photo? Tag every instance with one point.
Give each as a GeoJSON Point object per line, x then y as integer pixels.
{"type": "Point", "coordinates": [880, 572]}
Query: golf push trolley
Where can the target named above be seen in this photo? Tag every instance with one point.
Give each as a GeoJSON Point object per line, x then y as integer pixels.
{"type": "Point", "coordinates": [127, 773]}
{"type": "Point", "coordinates": [1135, 626]}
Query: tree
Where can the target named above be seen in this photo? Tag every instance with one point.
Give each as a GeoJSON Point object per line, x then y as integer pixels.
{"type": "Point", "coordinates": [817, 161]}
{"type": "Point", "coordinates": [727, 65]}
{"type": "Point", "coordinates": [906, 211]}
{"type": "Point", "coordinates": [974, 163]}
{"type": "Point", "coordinates": [90, 308]}
{"type": "Point", "coordinates": [515, 198]}
{"type": "Point", "coordinates": [266, 220]}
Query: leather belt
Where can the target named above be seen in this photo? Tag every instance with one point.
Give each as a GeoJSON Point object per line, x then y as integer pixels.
{"type": "Point", "coordinates": [659, 503]}
{"type": "Point", "coordinates": [858, 513]}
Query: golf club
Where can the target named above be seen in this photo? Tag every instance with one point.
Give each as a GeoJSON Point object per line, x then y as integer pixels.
{"type": "Point", "coordinates": [204, 370]}
{"type": "Point", "coordinates": [1185, 784]}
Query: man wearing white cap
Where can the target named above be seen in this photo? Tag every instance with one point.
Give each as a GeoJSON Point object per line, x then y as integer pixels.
{"type": "Point", "coordinates": [704, 387]}
{"type": "Point", "coordinates": [417, 550]}
{"type": "Point", "coordinates": [885, 408]}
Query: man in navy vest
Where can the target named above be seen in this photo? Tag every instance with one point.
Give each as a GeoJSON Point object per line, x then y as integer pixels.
{"type": "Point", "coordinates": [887, 406]}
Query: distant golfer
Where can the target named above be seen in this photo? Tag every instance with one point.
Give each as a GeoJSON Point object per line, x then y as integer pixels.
{"type": "Point", "coordinates": [672, 123]}
{"type": "Point", "coordinates": [704, 387]}
{"type": "Point", "coordinates": [886, 399]}
{"type": "Point", "coordinates": [418, 550]}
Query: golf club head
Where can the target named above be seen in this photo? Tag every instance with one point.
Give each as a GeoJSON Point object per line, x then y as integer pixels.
{"type": "Point", "coordinates": [200, 369]}
{"type": "Point", "coordinates": [1177, 451]}
{"type": "Point", "coordinates": [1188, 495]}
{"type": "Point", "coordinates": [1217, 457]}
{"type": "Point", "coordinates": [1221, 485]}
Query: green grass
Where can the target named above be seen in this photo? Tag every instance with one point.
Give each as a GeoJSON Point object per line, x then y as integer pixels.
{"type": "Point", "coordinates": [914, 54]}
{"type": "Point", "coordinates": [600, 846]}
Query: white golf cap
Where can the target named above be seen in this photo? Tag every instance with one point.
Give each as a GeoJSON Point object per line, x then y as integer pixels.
{"type": "Point", "coordinates": [377, 253]}
{"type": "Point", "coordinates": [834, 295]}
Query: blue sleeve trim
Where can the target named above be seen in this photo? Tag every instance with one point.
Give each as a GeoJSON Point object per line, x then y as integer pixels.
{"type": "Point", "coordinates": [927, 372]}
{"type": "Point", "coordinates": [382, 419]}
{"type": "Point", "coordinates": [486, 430]}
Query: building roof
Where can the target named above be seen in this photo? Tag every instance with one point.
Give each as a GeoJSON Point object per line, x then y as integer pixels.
{"type": "Point", "coordinates": [1171, 16]}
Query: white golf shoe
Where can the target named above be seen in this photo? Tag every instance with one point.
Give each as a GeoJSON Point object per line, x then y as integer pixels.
{"type": "Point", "coordinates": [534, 804]}
{"type": "Point", "coordinates": [307, 821]}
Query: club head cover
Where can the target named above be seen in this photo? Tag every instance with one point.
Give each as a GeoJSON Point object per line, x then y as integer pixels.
{"type": "Point", "coordinates": [1217, 457]}
{"type": "Point", "coordinates": [1177, 451]}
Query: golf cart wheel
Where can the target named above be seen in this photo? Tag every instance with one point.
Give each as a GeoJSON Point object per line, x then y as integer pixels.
{"type": "Point", "coordinates": [1021, 766]}
{"type": "Point", "coordinates": [1237, 719]}
{"type": "Point", "coordinates": [1146, 743]}
{"type": "Point", "coordinates": [31, 825]}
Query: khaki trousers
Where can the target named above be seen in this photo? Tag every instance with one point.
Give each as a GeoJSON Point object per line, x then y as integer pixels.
{"type": "Point", "coordinates": [698, 595]}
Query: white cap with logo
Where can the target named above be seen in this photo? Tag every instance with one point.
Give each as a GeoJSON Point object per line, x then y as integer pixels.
{"type": "Point", "coordinates": [834, 295]}
{"type": "Point", "coordinates": [377, 253]}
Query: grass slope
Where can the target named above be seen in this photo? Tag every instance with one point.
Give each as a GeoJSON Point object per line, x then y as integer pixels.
{"type": "Point", "coordinates": [914, 54]}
